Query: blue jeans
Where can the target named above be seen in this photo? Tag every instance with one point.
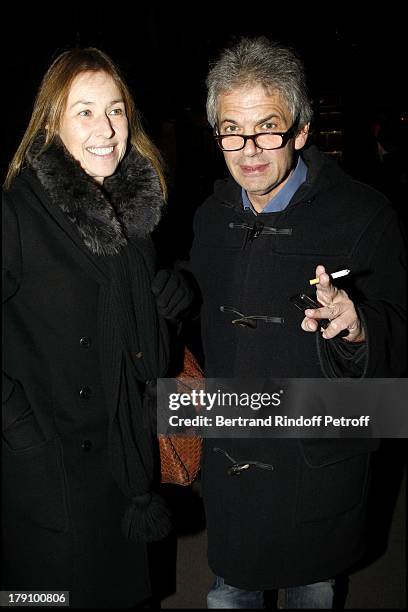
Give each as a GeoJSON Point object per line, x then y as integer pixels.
{"type": "Point", "coordinates": [312, 596]}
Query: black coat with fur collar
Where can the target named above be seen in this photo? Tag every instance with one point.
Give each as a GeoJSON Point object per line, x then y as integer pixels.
{"type": "Point", "coordinates": [80, 325]}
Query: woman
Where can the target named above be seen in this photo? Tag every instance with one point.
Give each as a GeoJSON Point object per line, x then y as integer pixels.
{"type": "Point", "coordinates": [82, 337]}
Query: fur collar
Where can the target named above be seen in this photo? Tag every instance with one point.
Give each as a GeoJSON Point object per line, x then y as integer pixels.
{"type": "Point", "coordinates": [128, 204]}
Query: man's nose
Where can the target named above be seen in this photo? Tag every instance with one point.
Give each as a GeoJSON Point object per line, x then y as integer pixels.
{"type": "Point", "coordinates": [250, 147]}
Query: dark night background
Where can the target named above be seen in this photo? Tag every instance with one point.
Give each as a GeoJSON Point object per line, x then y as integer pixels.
{"type": "Point", "coordinates": [356, 69]}
{"type": "Point", "coordinates": [357, 78]}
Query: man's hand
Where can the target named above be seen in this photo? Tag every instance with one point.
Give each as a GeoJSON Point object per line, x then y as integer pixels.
{"type": "Point", "coordinates": [337, 307]}
{"type": "Point", "coordinates": [173, 293]}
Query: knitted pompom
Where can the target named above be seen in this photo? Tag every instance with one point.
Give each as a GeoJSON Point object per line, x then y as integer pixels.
{"type": "Point", "coordinates": [147, 518]}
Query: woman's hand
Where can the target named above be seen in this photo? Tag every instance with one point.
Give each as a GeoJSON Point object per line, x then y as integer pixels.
{"type": "Point", "coordinates": [173, 293]}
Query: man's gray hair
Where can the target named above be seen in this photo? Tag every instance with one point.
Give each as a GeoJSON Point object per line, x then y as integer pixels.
{"type": "Point", "coordinates": [255, 61]}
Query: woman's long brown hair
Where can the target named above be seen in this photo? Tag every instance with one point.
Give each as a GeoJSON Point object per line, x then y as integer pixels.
{"type": "Point", "coordinates": [51, 101]}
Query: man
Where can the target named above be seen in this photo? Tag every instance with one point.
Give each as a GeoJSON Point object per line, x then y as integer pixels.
{"type": "Point", "coordinates": [285, 215]}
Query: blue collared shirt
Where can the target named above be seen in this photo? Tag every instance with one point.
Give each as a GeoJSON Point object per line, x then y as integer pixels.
{"type": "Point", "coordinates": [284, 196]}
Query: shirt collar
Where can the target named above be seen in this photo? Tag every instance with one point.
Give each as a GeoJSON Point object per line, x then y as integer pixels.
{"type": "Point", "coordinates": [284, 196]}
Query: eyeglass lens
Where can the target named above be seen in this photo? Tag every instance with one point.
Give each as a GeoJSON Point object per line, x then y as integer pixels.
{"type": "Point", "coordinates": [263, 141]}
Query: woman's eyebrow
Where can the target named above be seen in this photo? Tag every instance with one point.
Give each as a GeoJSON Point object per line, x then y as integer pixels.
{"type": "Point", "coordinates": [89, 102]}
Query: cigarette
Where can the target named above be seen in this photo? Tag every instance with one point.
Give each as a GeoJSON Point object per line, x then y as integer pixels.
{"type": "Point", "coordinates": [338, 274]}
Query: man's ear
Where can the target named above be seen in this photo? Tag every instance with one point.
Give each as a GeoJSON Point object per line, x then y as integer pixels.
{"type": "Point", "coordinates": [301, 138]}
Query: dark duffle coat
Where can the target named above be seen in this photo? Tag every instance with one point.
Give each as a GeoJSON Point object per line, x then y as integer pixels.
{"type": "Point", "coordinates": [304, 521]}
{"type": "Point", "coordinates": [66, 250]}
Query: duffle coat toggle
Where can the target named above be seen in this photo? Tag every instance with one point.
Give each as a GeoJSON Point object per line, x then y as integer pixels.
{"type": "Point", "coordinates": [238, 467]}
{"type": "Point", "coordinates": [249, 320]}
{"type": "Point", "coordinates": [258, 228]}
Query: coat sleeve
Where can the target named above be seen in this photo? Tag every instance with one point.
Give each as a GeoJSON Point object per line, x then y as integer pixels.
{"type": "Point", "coordinates": [381, 302]}
{"type": "Point", "coordinates": [186, 268]}
{"type": "Point", "coordinates": [11, 280]}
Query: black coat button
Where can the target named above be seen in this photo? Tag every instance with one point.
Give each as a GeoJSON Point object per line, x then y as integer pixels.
{"type": "Point", "coordinates": [85, 393]}
{"type": "Point", "coordinates": [85, 342]}
{"type": "Point", "coordinates": [86, 445]}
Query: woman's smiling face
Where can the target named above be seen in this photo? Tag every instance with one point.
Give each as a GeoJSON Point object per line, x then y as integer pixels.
{"type": "Point", "coordinates": [94, 126]}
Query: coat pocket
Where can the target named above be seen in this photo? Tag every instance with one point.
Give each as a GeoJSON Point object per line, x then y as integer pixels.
{"type": "Point", "coordinates": [318, 452]}
{"type": "Point", "coordinates": [33, 485]}
{"type": "Point", "coordinates": [332, 489]}
{"type": "Point", "coordinates": [20, 428]}
{"type": "Point", "coordinates": [24, 433]}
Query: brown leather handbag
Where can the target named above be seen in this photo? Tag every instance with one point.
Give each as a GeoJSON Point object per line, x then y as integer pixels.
{"type": "Point", "coordinates": [180, 456]}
